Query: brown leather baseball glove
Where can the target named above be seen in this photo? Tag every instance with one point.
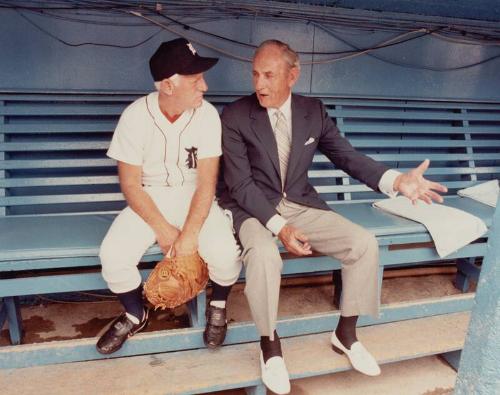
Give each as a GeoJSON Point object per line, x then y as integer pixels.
{"type": "Point", "coordinates": [176, 280]}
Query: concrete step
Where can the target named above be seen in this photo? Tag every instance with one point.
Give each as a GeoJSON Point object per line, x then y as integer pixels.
{"type": "Point", "coordinates": [236, 366]}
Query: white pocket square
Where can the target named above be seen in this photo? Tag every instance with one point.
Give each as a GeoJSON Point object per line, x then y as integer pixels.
{"type": "Point", "coordinates": [311, 140]}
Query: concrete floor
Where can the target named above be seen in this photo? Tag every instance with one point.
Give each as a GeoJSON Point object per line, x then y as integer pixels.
{"type": "Point", "coordinates": [424, 376]}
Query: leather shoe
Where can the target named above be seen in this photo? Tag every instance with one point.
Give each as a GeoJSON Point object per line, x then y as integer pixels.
{"type": "Point", "coordinates": [119, 331]}
{"type": "Point", "coordinates": [358, 355]}
{"type": "Point", "coordinates": [275, 375]}
{"type": "Point", "coordinates": [216, 327]}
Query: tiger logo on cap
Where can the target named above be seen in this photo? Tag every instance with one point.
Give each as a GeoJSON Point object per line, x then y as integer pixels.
{"type": "Point", "coordinates": [191, 48]}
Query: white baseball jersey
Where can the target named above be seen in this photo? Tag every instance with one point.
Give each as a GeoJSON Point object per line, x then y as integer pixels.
{"type": "Point", "coordinates": [168, 152]}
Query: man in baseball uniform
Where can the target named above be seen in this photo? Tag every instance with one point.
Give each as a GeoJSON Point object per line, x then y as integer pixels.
{"type": "Point", "coordinates": [167, 146]}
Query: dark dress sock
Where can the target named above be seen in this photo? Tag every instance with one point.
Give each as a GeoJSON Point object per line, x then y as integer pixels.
{"type": "Point", "coordinates": [270, 348]}
{"type": "Point", "coordinates": [220, 292]}
{"type": "Point", "coordinates": [132, 302]}
{"type": "Point", "coordinates": [346, 331]}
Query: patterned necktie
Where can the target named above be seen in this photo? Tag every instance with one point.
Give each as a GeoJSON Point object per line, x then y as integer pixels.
{"type": "Point", "coordinates": [283, 141]}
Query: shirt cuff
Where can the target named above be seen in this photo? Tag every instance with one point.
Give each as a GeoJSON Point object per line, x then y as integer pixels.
{"type": "Point", "coordinates": [386, 183]}
{"type": "Point", "coordinates": [276, 223]}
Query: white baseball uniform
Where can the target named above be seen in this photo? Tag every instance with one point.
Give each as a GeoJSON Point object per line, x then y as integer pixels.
{"type": "Point", "coordinates": [168, 153]}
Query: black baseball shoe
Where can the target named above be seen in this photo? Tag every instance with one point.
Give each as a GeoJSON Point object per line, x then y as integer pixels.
{"type": "Point", "coordinates": [119, 331]}
{"type": "Point", "coordinates": [215, 330]}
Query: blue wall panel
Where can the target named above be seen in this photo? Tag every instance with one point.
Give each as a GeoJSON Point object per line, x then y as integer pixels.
{"type": "Point", "coordinates": [376, 72]}
{"type": "Point", "coordinates": [32, 60]}
{"type": "Point", "coordinates": [483, 10]}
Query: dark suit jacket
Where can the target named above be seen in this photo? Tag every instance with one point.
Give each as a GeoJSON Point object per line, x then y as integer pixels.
{"type": "Point", "coordinates": [251, 164]}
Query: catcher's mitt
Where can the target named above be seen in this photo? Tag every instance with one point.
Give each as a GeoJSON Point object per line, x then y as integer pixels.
{"type": "Point", "coordinates": [176, 280]}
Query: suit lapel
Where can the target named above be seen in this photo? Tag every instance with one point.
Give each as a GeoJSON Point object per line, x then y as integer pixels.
{"type": "Point", "coordinates": [299, 135]}
{"type": "Point", "coordinates": [262, 128]}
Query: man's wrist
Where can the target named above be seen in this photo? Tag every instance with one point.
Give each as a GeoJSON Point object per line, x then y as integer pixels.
{"type": "Point", "coordinates": [188, 231]}
{"type": "Point", "coordinates": [276, 223]}
{"type": "Point", "coordinates": [389, 182]}
{"type": "Point", "coordinates": [396, 183]}
{"type": "Point", "coordinates": [162, 227]}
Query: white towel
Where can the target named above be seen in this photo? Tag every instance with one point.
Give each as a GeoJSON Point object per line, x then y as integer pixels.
{"type": "Point", "coordinates": [450, 228]}
{"type": "Point", "coordinates": [486, 192]}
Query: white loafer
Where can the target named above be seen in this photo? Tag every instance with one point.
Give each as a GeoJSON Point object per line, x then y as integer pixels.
{"type": "Point", "coordinates": [358, 355]}
{"type": "Point", "coordinates": [275, 375]}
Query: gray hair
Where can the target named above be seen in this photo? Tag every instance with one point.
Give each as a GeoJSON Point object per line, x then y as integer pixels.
{"type": "Point", "coordinates": [289, 55]}
{"type": "Point", "coordinates": [175, 79]}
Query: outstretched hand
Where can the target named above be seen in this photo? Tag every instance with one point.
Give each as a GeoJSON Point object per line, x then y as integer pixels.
{"type": "Point", "coordinates": [415, 186]}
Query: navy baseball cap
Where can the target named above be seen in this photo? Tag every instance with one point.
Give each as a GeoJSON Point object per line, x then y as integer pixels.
{"type": "Point", "coordinates": [178, 57]}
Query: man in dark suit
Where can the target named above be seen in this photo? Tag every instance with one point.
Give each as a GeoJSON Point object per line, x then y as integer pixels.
{"type": "Point", "coordinates": [269, 139]}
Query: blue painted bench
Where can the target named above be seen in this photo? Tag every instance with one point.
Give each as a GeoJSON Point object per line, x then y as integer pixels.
{"type": "Point", "coordinates": [59, 193]}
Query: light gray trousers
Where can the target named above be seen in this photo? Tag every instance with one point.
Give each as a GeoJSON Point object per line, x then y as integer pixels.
{"type": "Point", "coordinates": [328, 233]}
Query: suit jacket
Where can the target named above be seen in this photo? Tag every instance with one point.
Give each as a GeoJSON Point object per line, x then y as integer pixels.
{"type": "Point", "coordinates": [251, 164]}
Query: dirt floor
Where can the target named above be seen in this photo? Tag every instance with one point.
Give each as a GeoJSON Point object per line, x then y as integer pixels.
{"type": "Point", "coordinates": [51, 320]}
{"type": "Point", "coordinates": [66, 319]}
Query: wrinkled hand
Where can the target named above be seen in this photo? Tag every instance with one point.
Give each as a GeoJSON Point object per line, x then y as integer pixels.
{"type": "Point", "coordinates": [186, 244]}
{"type": "Point", "coordinates": [414, 186]}
{"type": "Point", "coordinates": [294, 241]}
{"type": "Point", "coordinates": [166, 238]}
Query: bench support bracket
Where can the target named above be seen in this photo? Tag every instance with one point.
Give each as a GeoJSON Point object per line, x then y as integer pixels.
{"type": "Point", "coordinates": [256, 390]}
{"type": "Point", "coordinates": [11, 313]}
{"type": "Point", "coordinates": [467, 270]}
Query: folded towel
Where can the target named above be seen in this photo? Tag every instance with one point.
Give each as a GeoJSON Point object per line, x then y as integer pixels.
{"type": "Point", "coordinates": [450, 228]}
{"type": "Point", "coordinates": [486, 192]}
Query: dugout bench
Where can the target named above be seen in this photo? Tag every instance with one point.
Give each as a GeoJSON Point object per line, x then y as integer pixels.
{"type": "Point", "coordinates": [59, 193]}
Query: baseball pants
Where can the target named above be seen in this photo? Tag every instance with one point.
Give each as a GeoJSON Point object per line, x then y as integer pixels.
{"type": "Point", "coordinates": [130, 236]}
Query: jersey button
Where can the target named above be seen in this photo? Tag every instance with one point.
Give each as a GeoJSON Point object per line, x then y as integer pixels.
{"type": "Point", "coordinates": [284, 195]}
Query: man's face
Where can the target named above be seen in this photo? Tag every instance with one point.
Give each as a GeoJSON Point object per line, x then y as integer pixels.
{"type": "Point", "coordinates": [273, 78]}
{"type": "Point", "coordinates": [189, 91]}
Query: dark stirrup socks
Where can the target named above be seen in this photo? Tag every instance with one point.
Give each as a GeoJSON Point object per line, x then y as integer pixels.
{"type": "Point", "coordinates": [346, 330]}
{"type": "Point", "coordinates": [270, 348]}
{"type": "Point", "coordinates": [132, 302]}
{"type": "Point", "coordinates": [220, 292]}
